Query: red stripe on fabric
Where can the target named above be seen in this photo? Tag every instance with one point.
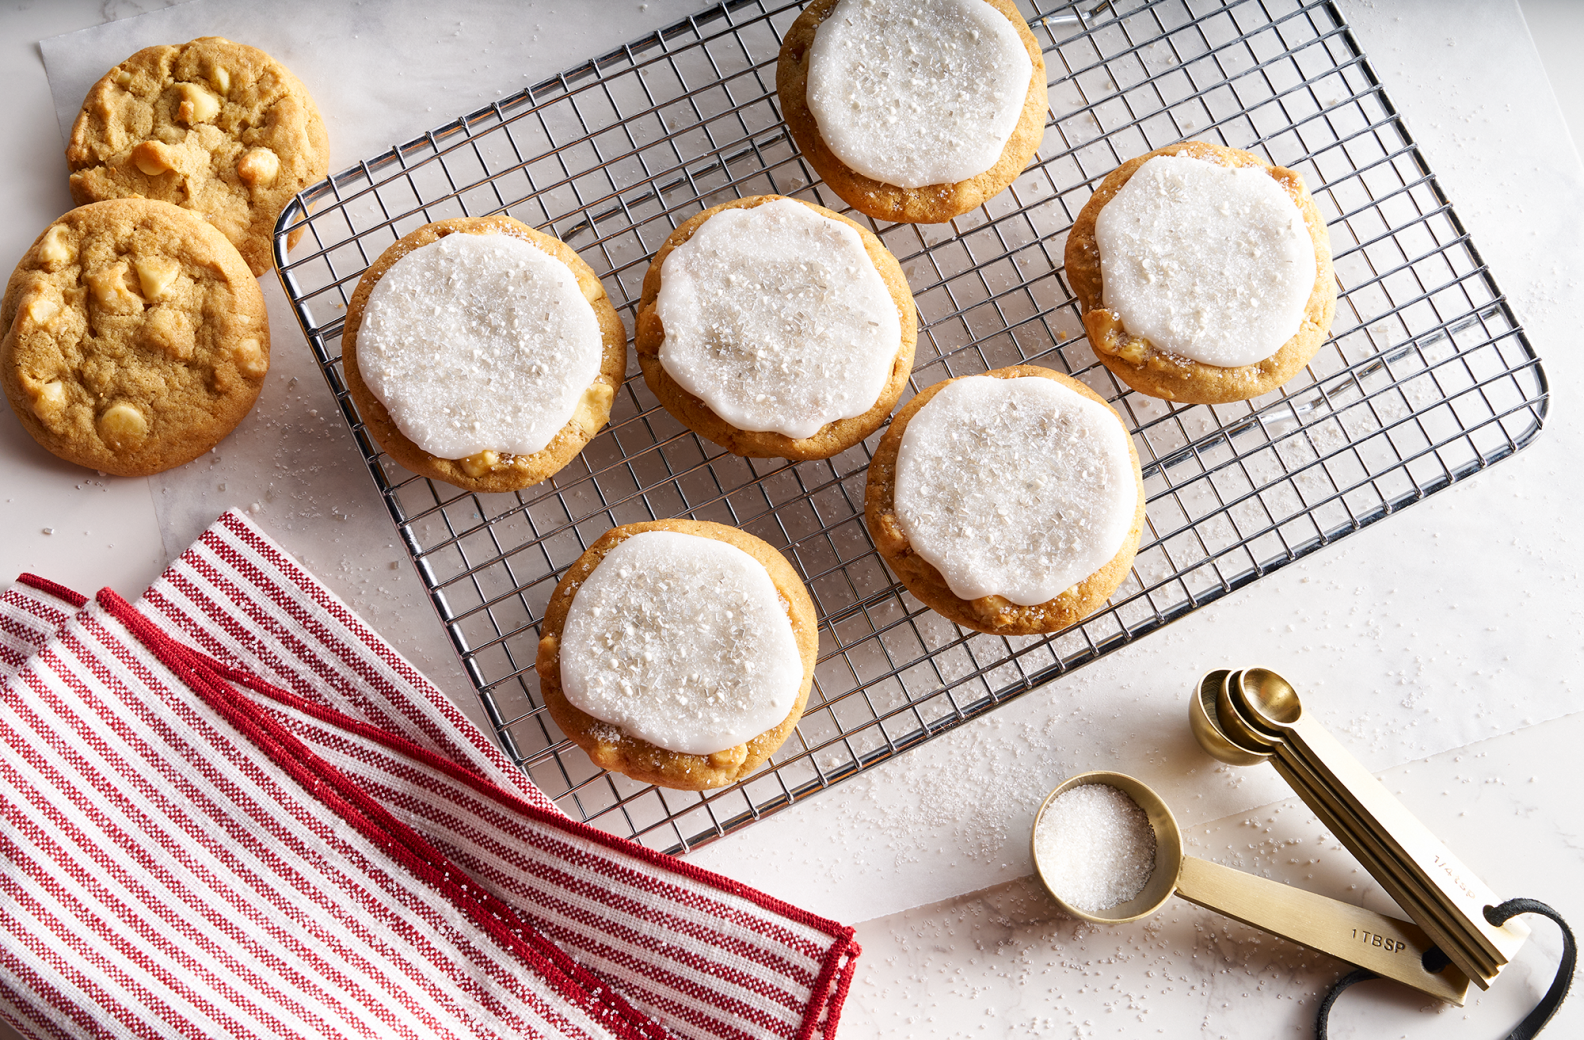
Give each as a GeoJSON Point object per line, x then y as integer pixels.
{"type": "Point", "coordinates": [306, 585]}
{"type": "Point", "coordinates": [332, 787]}
{"type": "Point", "coordinates": [14, 658]}
{"type": "Point", "coordinates": [237, 832]}
{"type": "Point", "coordinates": [831, 958]}
{"type": "Point", "coordinates": [61, 592]}
{"type": "Point", "coordinates": [446, 807]}
{"type": "Point", "coordinates": [22, 1012]}
{"type": "Point", "coordinates": [69, 961]}
{"type": "Point", "coordinates": [577, 829]}
{"type": "Point", "coordinates": [559, 880]}
{"type": "Point", "coordinates": [39, 990]}
{"type": "Point", "coordinates": [333, 671]}
{"type": "Point", "coordinates": [170, 923]}
{"type": "Point", "coordinates": [130, 847]}
{"type": "Point", "coordinates": [109, 938]}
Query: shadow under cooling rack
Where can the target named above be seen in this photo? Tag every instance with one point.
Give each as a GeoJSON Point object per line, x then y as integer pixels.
{"type": "Point", "coordinates": [1426, 378]}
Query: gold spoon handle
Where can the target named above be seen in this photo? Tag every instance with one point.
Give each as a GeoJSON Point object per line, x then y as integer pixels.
{"type": "Point", "coordinates": [1462, 891]}
{"type": "Point", "coordinates": [1405, 890]}
{"type": "Point", "coordinates": [1390, 948]}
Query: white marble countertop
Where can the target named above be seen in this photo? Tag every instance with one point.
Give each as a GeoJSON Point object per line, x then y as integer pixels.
{"type": "Point", "coordinates": [1450, 632]}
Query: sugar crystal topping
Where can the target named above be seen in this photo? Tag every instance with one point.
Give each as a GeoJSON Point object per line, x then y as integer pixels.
{"type": "Point", "coordinates": [479, 342]}
{"type": "Point", "coordinates": [682, 641]}
{"type": "Point", "coordinates": [1014, 487]}
{"type": "Point", "coordinates": [1210, 262]}
{"type": "Point", "coordinates": [776, 318]}
{"type": "Point", "coordinates": [913, 93]}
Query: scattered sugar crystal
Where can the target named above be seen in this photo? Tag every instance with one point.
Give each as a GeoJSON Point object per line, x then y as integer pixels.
{"type": "Point", "coordinates": [1095, 847]}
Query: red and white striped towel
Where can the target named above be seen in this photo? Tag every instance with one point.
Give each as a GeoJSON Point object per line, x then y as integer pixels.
{"type": "Point", "coordinates": [231, 809]}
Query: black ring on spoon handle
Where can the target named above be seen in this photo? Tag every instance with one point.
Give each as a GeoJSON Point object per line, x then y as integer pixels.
{"type": "Point", "coordinates": [1537, 1018]}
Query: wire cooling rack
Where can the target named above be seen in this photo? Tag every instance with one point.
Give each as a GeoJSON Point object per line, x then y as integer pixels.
{"type": "Point", "coordinates": [1427, 377]}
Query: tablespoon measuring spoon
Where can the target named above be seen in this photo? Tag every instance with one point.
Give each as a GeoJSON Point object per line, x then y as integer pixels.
{"type": "Point", "coordinates": [1221, 729]}
{"type": "Point", "coordinates": [1271, 702]}
{"type": "Point", "coordinates": [1390, 948]}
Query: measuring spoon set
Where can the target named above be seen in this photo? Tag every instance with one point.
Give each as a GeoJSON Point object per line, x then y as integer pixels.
{"type": "Point", "coordinates": [1248, 717]}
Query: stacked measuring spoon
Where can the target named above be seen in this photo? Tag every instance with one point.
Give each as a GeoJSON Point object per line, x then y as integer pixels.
{"type": "Point", "coordinates": [1247, 717]}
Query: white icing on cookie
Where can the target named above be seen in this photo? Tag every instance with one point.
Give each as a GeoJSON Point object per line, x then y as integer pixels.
{"type": "Point", "coordinates": [776, 318]}
{"type": "Point", "coordinates": [912, 93]}
{"type": "Point", "coordinates": [1206, 261]}
{"type": "Point", "coordinates": [682, 641]}
{"type": "Point", "coordinates": [478, 342]}
{"type": "Point", "coordinates": [1014, 487]}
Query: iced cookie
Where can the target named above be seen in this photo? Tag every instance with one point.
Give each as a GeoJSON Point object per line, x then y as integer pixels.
{"type": "Point", "coordinates": [912, 111]}
{"type": "Point", "coordinates": [776, 328]}
{"type": "Point", "coordinates": [678, 652]}
{"type": "Point", "coordinates": [1203, 274]}
{"type": "Point", "coordinates": [135, 337]}
{"type": "Point", "coordinates": [482, 353]}
{"type": "Point", "coordinates": [216, 127]}
{"type": "Point", "coordinates": [1010, 502]}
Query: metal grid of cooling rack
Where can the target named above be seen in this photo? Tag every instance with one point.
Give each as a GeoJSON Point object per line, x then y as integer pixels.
{"type": "Point", "coordinates": [1426, 379]}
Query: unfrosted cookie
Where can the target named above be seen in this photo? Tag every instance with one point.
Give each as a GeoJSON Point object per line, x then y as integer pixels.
{"type": "Point", "coordinates": [216, 127]}
{"type": "Point", "coordinates": [135, 337]}
{"type": "Point", "coordinates": [1011, 502]}
{"type": "Point", "coordinates": [794, 328]}
{"type": "Point", "coordinates": [487, 362]}
{"type": "Point", "coordinates": [1205, 258]}
{"type": "Point", "coordinates": [678, 652]}
{"type": "Point", "coordinates": [913, 112]}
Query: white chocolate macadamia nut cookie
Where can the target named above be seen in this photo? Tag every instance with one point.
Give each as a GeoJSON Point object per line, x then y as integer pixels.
{"type": "Point", "coordinates": [216, 127]}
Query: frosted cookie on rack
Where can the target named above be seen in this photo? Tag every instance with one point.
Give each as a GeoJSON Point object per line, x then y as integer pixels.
{"type": "Point", "coordinates": [135, 337]}
{"type": "Point", "coordinates": [216, 127]}
{"type": "Point", "coordinates": [912, 111]}
{"type": "Point", "coordinates": [776, 328]}
{"type": "Point", "coordinates": [1203, 274]}
{"type": "Point", "coordinates": [482, 353]}
{"type": "Point", "coordinates": [678, 652]}
{"type": "Point", "coordinates": [1010, 502]}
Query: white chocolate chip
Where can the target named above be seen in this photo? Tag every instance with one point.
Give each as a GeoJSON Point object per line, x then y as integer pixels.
{"type": "Point", "coordinates": [152, 158]}
{"type": "Point", "coordinates": [123, 79]}
{"type": "Point", "coordinates": [479, 464]}
{"type": "Point", "coordinates": [122, 427]}
{"type": "Point", "coordinates": [49, 399]}
{"type": "Point", "coordinates": [258, 167]}
{"type": "Point", "coordinates": [155, 274]}
{"type": "Point", "coordinates": [250, 359]}
{"type": "Point", "coordinates": [109, 289]}
{"type": "Point", "coordinates": [55, 248]}
{"type": "Point", "coordinates": [220, 79]}
{"type": "Point", "coordinates": [593, 408]}
{"type": "Point", "coordinates": [41, 311]}
{"type": "Point", "coordinates": [197, 105]}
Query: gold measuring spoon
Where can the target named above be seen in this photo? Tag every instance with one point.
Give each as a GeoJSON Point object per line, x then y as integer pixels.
{"type": "Point", "coordinates": [1272, 703]}
{"type": "Point", "coordinates": [1214, 718]}
{"type": "Point", "coordinates": [1390, 948]}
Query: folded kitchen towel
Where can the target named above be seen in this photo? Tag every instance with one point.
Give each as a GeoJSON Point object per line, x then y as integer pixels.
{"type": "Point", "coordinates": [230, 809]}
